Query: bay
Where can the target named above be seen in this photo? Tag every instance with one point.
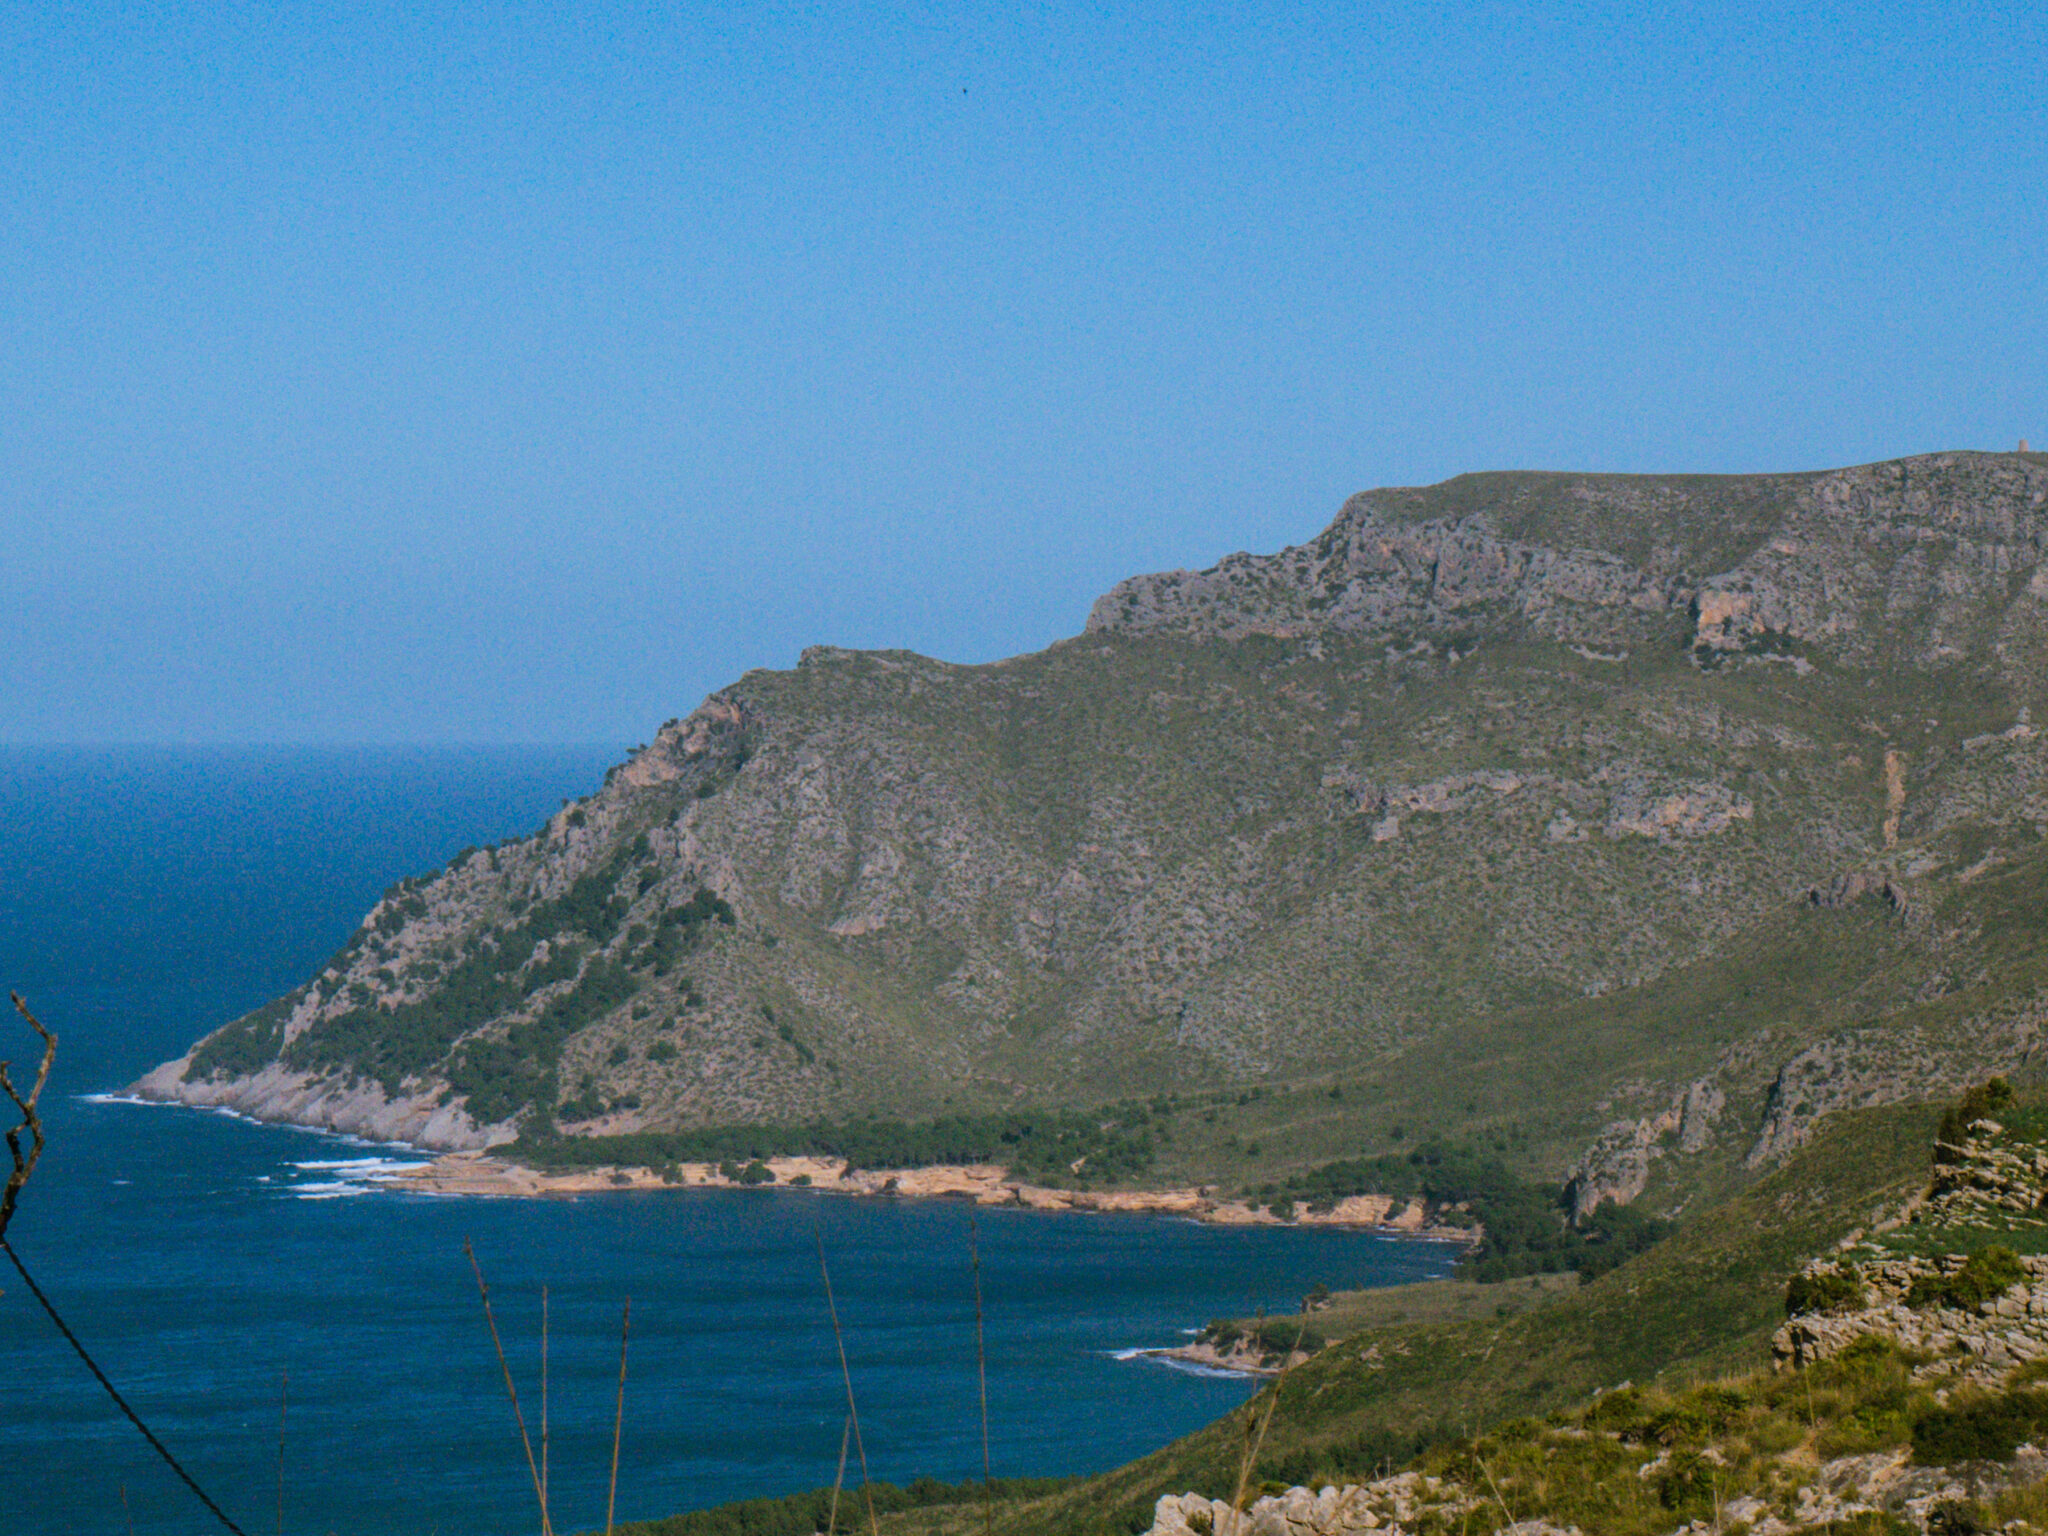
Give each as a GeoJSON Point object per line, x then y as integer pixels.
{"type": "Point", "coordinates": [148, 894]}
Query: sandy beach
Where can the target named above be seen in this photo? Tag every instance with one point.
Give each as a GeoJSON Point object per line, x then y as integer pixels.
{"type": "Point", "coordinates": [481, 1174]}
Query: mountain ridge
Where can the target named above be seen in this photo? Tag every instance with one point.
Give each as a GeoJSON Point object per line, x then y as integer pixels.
{"type": "Point", "coordinates": [1370, 815]}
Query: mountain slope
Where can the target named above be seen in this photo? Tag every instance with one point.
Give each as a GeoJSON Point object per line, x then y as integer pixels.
{"type": "Point", "coordinates": [1706, 803]}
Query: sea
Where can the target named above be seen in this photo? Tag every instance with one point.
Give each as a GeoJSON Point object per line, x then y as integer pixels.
{"type": "Point", "coordinates": [312, 1348]}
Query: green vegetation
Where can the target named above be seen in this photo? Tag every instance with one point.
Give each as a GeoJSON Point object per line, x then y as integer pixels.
{"type": "Point", "coordinates": [1989, 1429]}
{"type": "Point", "coordinates": [1526, 1229]}
{"type": "Point", "coordinates": [1273, 1338]}
{"type": "Point", "coordinates": [246, 1046]}
{"type": "Point", "coordinates": [1693, 1307]}
{"type": "Point", "coordinates": [1985, 1274]}
{"type": "Point", "coordinates": [503, 1074]}
{"type": "Point", "coordinates": [1824, 1290]}
{"type": "Point", "coordinates": [1980, 1103]}
{"type": "Point", "coordinates": [1398, 1310]}
{"type": "Point", "coordinates": [1040, 1145]}
{"type": "Point", "coordinates": [803, 1514]}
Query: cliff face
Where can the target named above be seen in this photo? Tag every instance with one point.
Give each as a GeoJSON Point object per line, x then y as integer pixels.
{"type": "Point", "coordinates": [1530, 803]}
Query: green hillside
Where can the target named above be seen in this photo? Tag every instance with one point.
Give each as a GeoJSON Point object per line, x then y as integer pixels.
{"type": "Point", "coordinates": [1619, 825]}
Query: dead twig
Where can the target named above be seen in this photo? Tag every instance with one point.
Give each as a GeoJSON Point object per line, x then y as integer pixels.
{"type": "Point", "coordinates": [544, 1399]}
{"type": "Point", "coordinates": [511, 1391]}
{"type": "Point", "coordinates": [24, 1166]}
{"type": "Point", "coordinates": [618, 1417]}
{"type": "Point", "coordinates": [31, 1122]}
{"type": "Point", "coordinates": [1256, 1444]}
{"type": "Point", "coordinates": [838, 1482]}
{"type": "Point", "coordinates": [988, 1485]}
{"type": "Point", "coordinates": [284, 1384]}
{"type": "Point", "coordinates": [846, 1373]}
{"type": "Point", "coordinates": [1503, 1503]}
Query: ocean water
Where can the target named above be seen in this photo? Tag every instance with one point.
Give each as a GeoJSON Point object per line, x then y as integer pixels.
{"type": "Point", "coordinates": [211, 1264]}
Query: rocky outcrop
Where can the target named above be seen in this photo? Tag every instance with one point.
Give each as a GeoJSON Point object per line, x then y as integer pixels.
{"type": "Point", "coordinates": [1616, 1167]}
{"type": "Point", "coordinates": [1390, 1505]}
{"type": "Point", "coordinates": [1886, 1064]}
{"type": "Point", "coordinates": [1837, 560]}
{"type": "Point", "coordinates": [282, 1096]}
{"type": "Point", "coordinates": [1990, 1339]}
{"type": "Point", "coordinates": [1855, 886]}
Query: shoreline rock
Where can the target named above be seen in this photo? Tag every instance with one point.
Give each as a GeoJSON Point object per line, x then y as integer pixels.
{"type": "Point", "coordinates": [479, 1174]}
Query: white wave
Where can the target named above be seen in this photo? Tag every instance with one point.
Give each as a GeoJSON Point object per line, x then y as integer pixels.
{"type": "Point", "coordinates": [1213, 1372]}
{"type": "Point", "coordinates": [360, 1164]}
{"type": "Point", "coordinates": [1173, 1362]}
{"type": "Point", "coordinates": [346, 1138]}
{"type": "Point", "coordinates": [339, 1177]}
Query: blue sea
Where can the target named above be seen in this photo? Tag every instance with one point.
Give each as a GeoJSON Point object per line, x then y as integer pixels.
{"type": "Point", "coordinates": [221, 1270]}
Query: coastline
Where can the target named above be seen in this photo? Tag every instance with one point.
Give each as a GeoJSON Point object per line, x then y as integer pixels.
{"type": "Point", "coordinates": [480, 1174]}
{"type": "Point", "coordinates": [1208, 1359]}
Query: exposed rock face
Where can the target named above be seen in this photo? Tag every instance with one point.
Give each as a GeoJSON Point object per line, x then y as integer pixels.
{"type": "Point", "coordinates": [303, 1098]}
{"type": "Point", "coordinates": [1875, 1065]}
{"type": "Point", "coordinates": [1987, 1184]}
{"type": "Point", "coordinates": [1997, 1335]}
{"type": "Point", "coordinates": [1436, 798]}
{"type": "Point", "coordinates": [1389, 1505]}
{"type": "Point", "coordinates": [1819, 558]}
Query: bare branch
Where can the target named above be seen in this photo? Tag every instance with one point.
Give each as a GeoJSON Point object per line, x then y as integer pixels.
{"type": "Point", "coordinates": [539, 1491]}
{"type": "Point", "coordinates": [31, 1122]}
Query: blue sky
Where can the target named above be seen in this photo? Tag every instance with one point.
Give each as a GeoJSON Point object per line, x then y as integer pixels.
{"type": "Point", "coordinates": [498, 373]}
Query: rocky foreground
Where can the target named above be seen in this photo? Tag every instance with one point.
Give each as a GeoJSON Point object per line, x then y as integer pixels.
{"type": "Point", "coordinates": [1905, 1396]}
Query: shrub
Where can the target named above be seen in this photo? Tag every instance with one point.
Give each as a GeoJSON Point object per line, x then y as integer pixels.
{"type": "Point", "coordinates": [247, 1046]}
{"type": "Point", "coordinates": [1040, 1145]}
{"type": "Point", "coordinates": [1989, 1430]}
{"type": "Point", "coordinates": [1986, 1099]}
{"type": "Point", "coordinates": [1615, 1410]}
{"type": "Point", "coordinates": [1986, 1273]}
{"type": "Point", "coordinates": [1279, 1336]}
{"type": "Point", "coordinates": [1826, 1290]}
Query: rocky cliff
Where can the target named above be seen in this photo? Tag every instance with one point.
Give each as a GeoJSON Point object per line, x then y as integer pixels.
{"type": "Point", "coordinates": [1628, 821]}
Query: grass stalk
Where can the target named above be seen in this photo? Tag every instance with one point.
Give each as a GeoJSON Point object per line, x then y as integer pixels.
{"type": "Point", "coordinates": [512, 1392]}
{"type": "Point", "coordinates": [988, 1484]}
{"type": "Point", "coordinates": [839, 1481]}
{"type": "Point", "coordinates": [1503, 1503]}
{"type": "Point", "coordinates": [284, 1383]}
{"type": "Point", "coordinates": [544, 1401]}
{"type": "Point", "coordinates": [846, 1374]}
{"type": "Point", "coordinates": [618, 1418]}
{"type": "Point", "coordinates": [1255, 1444]}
